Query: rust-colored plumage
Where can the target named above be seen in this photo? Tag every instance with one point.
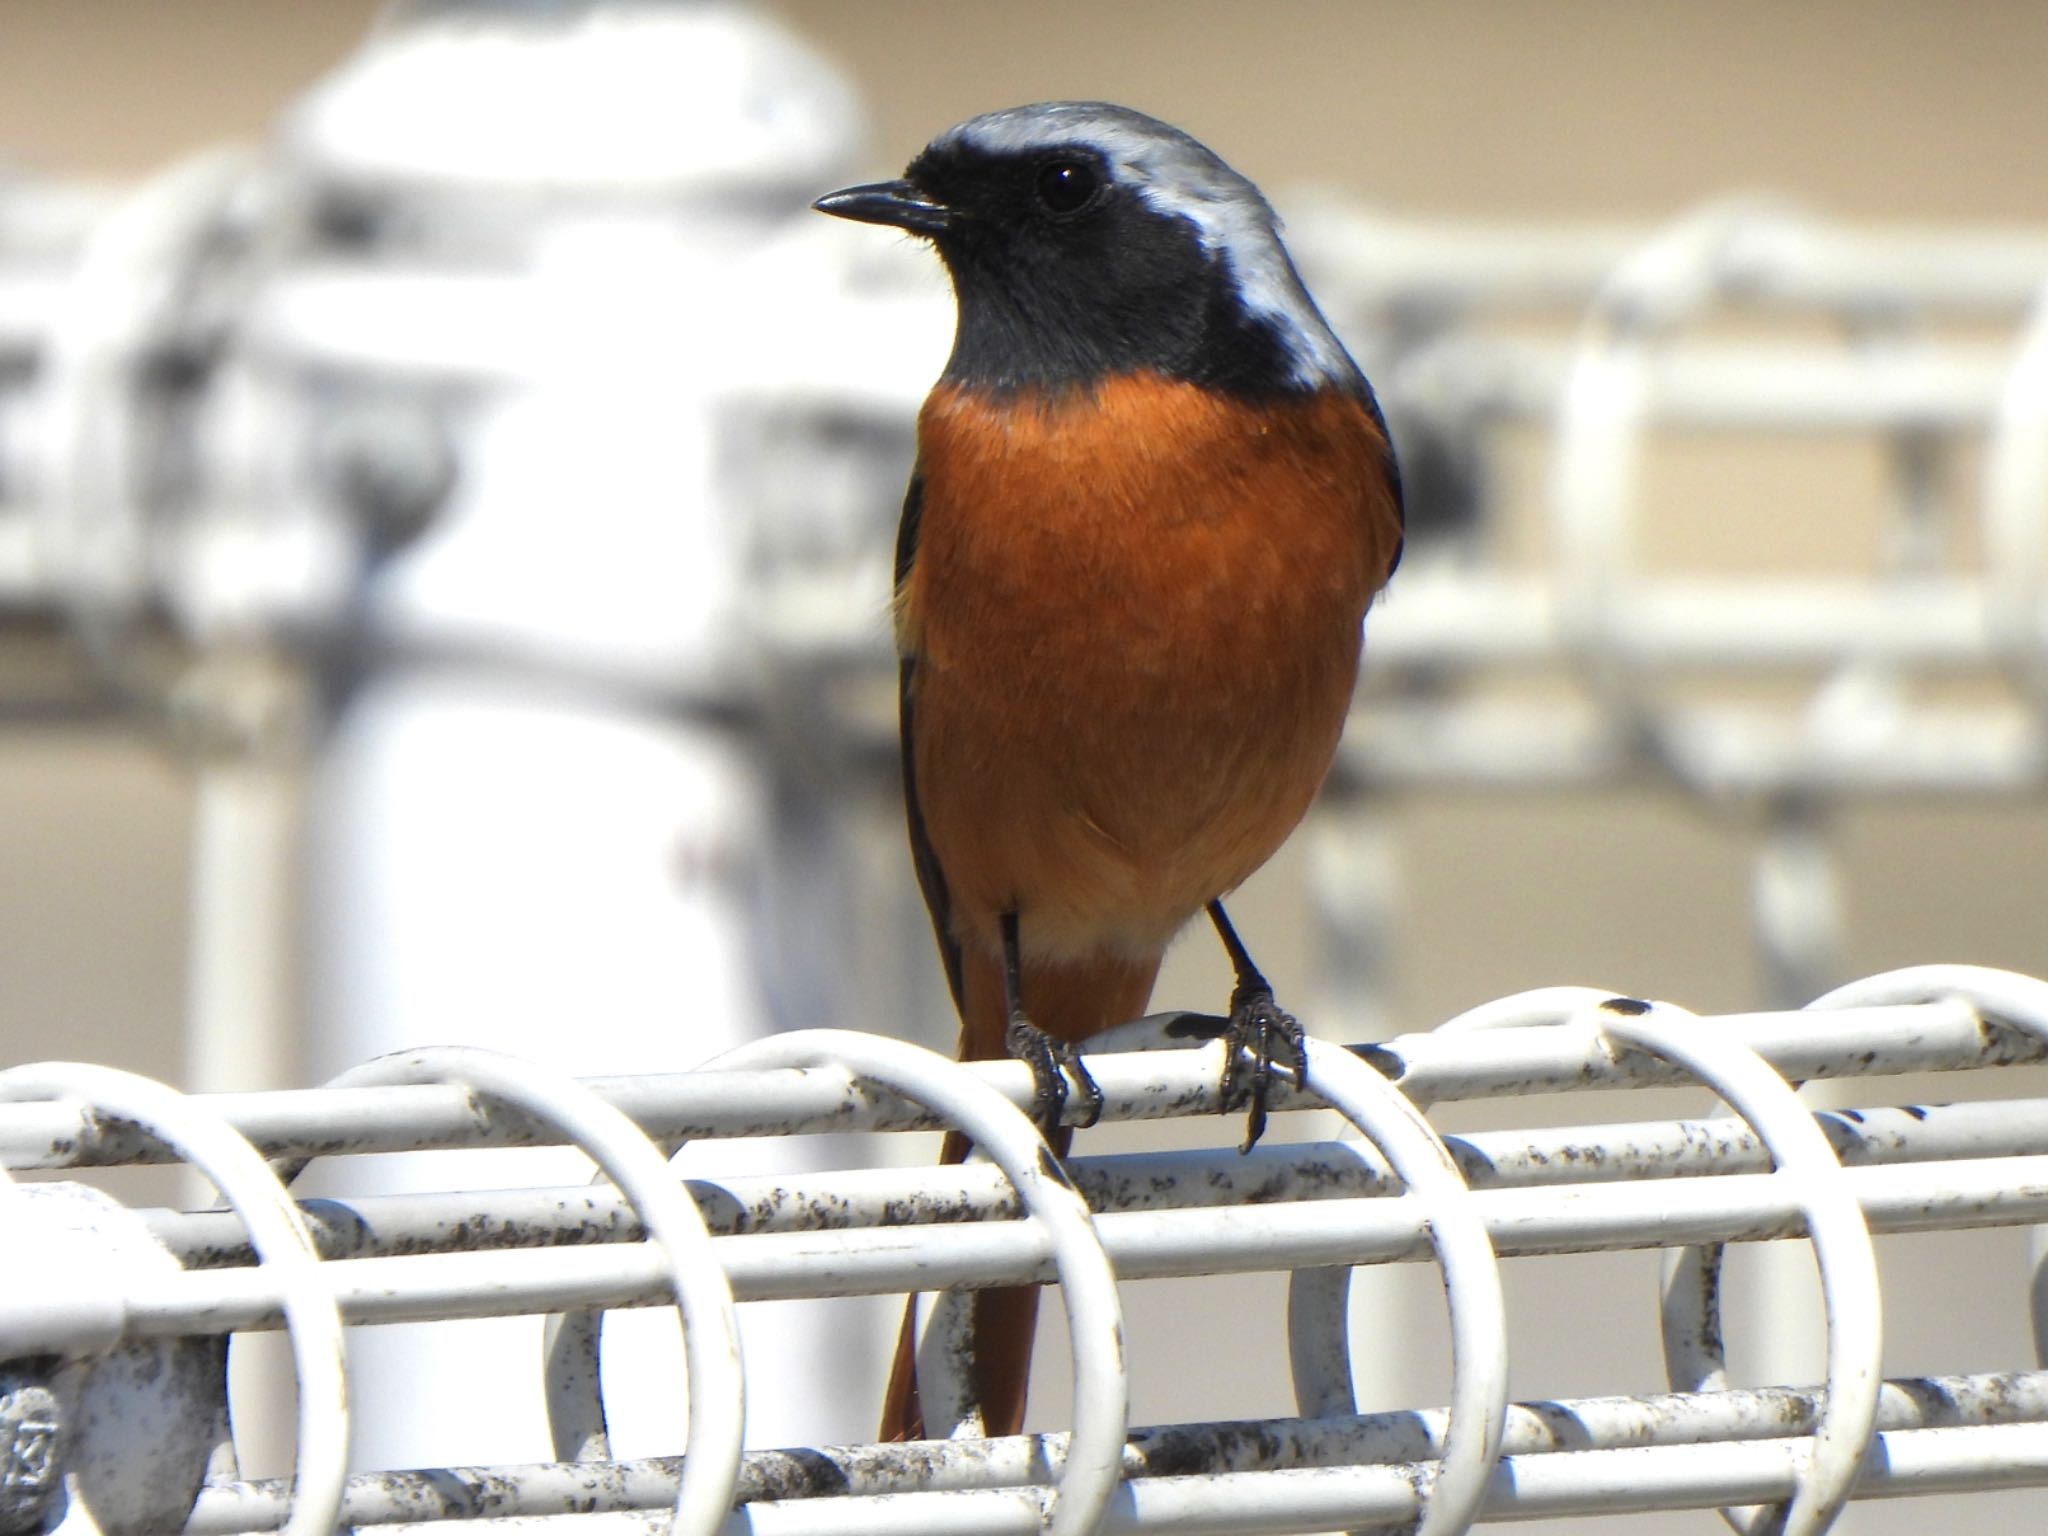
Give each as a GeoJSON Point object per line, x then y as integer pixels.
{"type": "Point", "coordinates": [1133, 626]}
{"type": "Point", "coordinates": [1134, 622]}
{"type": "Point", "coordinates": [1154, 498]}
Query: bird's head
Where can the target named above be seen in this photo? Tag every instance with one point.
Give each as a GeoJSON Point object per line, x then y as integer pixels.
{"type": "Point", "coordinates": [1086, 240]}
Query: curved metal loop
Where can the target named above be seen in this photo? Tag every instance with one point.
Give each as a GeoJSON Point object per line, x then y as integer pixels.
{"type": "Point", "coordinates": [1319, 1342]}
{"type": "Point", "coordinates": [1384, 1116]}
{"type": "Point", "coordinates": [2005, 997]}
{"type": "Point", "coordinates": [1523, 1010]}
{"type": "Point", "coordinates": [2015, 515]}
{"type": "Point", "coordinates": [572, 1380]}
{"type": "Point", "coordinates": [1094, 1463]}
{"type": "Point", "coordinates": [639, 1169]}
{"type": "Point", "coordinates": [1842, 1251]}
{"type": "Point", "coordinates": [572, 1373]}
{"type": "Point", "coordinates": [1715, 253]}
{"type": "Point", "coordinates": [284, 1247]}
{"type": "Point", "coordinates": [1602, 415]}
{"type": "Point", "coordinates": [944, 1341]}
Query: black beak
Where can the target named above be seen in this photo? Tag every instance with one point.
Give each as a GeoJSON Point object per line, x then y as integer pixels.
{"type": "Point", "coordinates": [896, 203]}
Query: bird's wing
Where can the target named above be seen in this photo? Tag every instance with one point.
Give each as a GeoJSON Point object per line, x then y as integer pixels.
{"type": "Point", "coordinates": [1379, 419]}
{"type": "Point", "coordinates": [931, 879]}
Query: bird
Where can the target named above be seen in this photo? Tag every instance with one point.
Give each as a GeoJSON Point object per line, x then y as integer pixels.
{"type": "Point", "coordinates": [1153, 498]}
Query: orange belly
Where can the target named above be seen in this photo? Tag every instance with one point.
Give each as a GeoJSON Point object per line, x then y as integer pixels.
{"type": "Point", "coordinates": [1135, 617]}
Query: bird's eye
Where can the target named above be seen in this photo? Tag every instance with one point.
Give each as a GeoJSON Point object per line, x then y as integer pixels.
{"type": "Point", "coordinates": [1067, 186]}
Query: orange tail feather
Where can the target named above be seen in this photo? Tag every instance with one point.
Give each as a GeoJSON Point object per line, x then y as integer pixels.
{"type": "Point", "coordinates": [1071, 1003]}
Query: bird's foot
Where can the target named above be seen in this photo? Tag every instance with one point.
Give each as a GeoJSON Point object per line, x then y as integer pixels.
{"type": "Point", "coordinates": [1052, 1061]}
{"type": "Point", "coordinates": [1259, 1029]}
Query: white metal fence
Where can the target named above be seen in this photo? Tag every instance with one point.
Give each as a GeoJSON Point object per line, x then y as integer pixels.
{"type": "Point", "coordinates": [457, 474]}
{"type": "Point", "coordinates": [117, 1407]}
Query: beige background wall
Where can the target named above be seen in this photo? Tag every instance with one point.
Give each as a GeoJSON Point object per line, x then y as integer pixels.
{"type": "Point", "coordinates": [1887, 110]}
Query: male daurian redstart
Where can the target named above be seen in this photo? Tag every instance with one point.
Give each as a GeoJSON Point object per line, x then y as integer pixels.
{"type": "Point", "coordinates": [1153, 498]}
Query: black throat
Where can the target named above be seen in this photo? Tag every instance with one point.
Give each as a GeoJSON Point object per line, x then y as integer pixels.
{"type": "Point", "coordinates": [1126, 289]}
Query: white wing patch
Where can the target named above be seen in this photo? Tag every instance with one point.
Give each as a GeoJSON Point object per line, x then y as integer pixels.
{"type": "Point", "coordinates": [1179, 176]}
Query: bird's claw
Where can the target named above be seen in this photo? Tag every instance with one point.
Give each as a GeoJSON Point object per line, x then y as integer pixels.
{"type": "Point", "coordinates": [1258, 1028]}
{"type": "Point", "coordinates": [1051, 1062]}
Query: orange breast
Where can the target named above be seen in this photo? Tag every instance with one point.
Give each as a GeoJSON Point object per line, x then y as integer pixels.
{"type": "Point", "coordinates": [1136, 621]}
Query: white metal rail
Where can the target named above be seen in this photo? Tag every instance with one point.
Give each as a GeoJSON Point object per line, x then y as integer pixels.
{"type": "Point", "coordinates": [96, 1418]}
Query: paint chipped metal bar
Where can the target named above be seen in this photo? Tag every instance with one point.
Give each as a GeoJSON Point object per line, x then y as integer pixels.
{"type": "Point", "coordinates": [1142, 1245]}
{"type": "Point", "coordinates": [1317, 1208]}
{"type": "Point", "coordinates": [1943, 1035]}
{"type": "Point", "coordinates": [391, 1225]}
{"type": "Point", "coordinates": [1624, 1481]}
{"type": "Point", "coordinates": [1178, 1450]}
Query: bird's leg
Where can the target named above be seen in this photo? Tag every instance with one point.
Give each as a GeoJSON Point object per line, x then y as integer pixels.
{"type": "Point", "coordinates": [1257, 1026]}
{"type": "Point", "coordinates": [1049, 1058]}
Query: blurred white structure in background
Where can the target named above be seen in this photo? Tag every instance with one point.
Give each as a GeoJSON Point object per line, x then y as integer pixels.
{"type": "Point", "coordinates": [419, 446]}
{"type": "Point", "coordinates": [503, 857]}
{"type": "Point", "coordinates": [496, 470]}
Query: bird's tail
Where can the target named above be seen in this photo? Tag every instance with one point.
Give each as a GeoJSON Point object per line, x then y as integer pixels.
{"type": "Point", "coordinates": [1071, 1003]}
